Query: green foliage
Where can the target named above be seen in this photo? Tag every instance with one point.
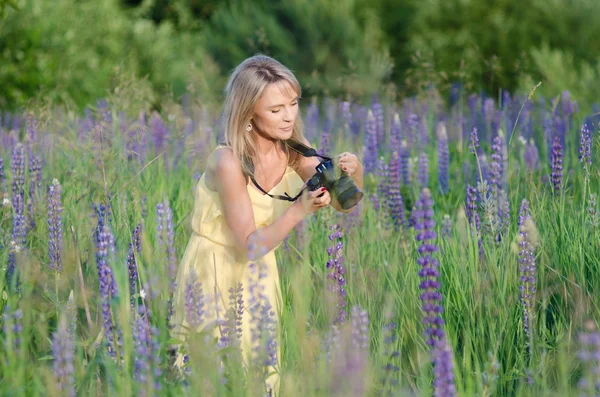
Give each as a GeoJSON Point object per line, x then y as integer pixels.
{"type": "Point", "coordinates": [329, 51]}
{"type": "Point", "coordinates": [488, 45]}
{"type": "Point", "coordinates": [71, 52]}
{"type": "Point", "coordinates": [556, 69]}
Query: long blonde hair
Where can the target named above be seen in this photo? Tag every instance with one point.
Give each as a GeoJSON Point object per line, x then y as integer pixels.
{"type": "Point", "coordinates": [244, 88]}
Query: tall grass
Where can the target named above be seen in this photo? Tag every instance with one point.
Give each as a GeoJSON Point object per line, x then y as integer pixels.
{"type": "Point", "coordinates": [133, 164]}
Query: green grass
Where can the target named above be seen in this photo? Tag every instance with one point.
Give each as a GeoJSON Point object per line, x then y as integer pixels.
{"type": "Point", "coordinates": [483, 313]}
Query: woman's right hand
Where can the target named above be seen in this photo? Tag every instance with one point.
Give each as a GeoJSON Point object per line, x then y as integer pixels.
{"type": "Point", "coordinates": [310, 202]}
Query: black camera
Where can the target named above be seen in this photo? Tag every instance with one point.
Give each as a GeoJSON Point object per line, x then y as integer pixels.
{"type": "Point", "coordinates": [342, 189]}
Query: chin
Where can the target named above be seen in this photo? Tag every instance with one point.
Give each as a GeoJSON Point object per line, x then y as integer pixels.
{"type": "Point", "coordinates": [286, 135]}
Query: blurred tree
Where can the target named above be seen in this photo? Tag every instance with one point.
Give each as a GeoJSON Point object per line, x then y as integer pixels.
{"type": "Point", "coordinates": [183, 14]}
{"type": "Point", "coordinates": [4, 4]}
{"type": "Point", "coordinates": [494, 40]}
{"type": "Point", "coordinates": [320, 40]}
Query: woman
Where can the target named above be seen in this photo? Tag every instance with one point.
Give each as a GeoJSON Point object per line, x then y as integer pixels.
{"type": "Point", "coordinates": [235, 224]}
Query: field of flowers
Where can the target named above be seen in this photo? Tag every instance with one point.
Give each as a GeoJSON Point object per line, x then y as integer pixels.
{"type": "Point", "coordinates": [470, 268]}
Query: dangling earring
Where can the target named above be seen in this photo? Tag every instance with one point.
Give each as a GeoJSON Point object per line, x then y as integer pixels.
{"type": "Point", "coordinates": [249, 127]}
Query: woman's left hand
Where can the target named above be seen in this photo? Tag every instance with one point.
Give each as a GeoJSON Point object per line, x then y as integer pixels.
{"type": "Point", "coordinates": [348, 162]}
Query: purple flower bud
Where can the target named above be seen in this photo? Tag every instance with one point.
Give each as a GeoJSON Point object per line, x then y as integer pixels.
{"type": "Point", "coordinates": [443, 158]}
{"type": "Point", "coordinates": [135, 247]}
{"type": "Point", "coordinates": [557, 165]}
{"type": "Point", "coordinates": [335, 277]}
{"type": "Point", "coordinates": [443, 370]}
{"type": "Point", "coordinates": [589, 346]}
{"type": "Point", "coordinates": [108, 288]}
{"type": "Point", "coordinates": [55, 225]}
{"type": "Point", "coordinates": [423, 170]}
{"type": "Point", "coordinates": [585, 147]}
{"type": "Point", "coordinates": [371, 155]}
{"type": "Point", "coordinates": [395, 201]}
{"type": "Point", "coordinates": [474, 141]}
{"type": "Point", "coordinates": [527, 269]}
{"type": "Point", "coordinates": [531, 156]}
{"type": "Point", "coordinates": [62, 352]}
{"type": "Point", "coordinates": [324, 144]}
{"type": "Point", "coordinates": [3, 188]}
{"type": "Point", "coordinates": [403, 163]}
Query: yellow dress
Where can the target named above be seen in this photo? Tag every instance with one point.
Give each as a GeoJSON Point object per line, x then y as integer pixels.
{"type": "Point", "coordinates": [211, 257]}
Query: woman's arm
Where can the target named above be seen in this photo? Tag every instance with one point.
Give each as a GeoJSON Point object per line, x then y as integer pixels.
{"type": "Point", "coordinates": [225, 174]}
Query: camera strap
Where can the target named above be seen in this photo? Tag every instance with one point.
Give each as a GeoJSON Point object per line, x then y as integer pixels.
{"type": "Point", "coordinates": [304, 151]}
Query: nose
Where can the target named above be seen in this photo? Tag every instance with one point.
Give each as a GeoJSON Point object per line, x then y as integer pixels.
{"type": "Point", "coordinates": [287, 114]}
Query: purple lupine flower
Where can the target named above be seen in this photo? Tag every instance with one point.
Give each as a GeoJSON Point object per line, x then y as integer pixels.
{"type": "Point", "coordinates": [346, 112]}
{"type": "Point", "coordinates": [443, 158]}
{"type": "Point", "coordinates": [488, 110]}
{"type": "Point", "coordinates": [194, 301]}
{"type": "Point", "coordinates": [263, 326]}
{"type": "Point", "coordinates": [232, 332]}
{"type": "Point", "coordinates": [335, 277]}
{"type": "Point", "coordinates": [383, 175]}
{"type": "Point", "coordinates": [412, 121]}
{"type": "Point", "coordinates": [395, 133]}
{"type": "Point", "coordinates": [531, 156]}
{"type": "Point", "coordinates": [324, 143]}
{"type": "Point", "coordinates": [166, 235]}
{"type": "Point", "coordinates": [447, 226]}
{"type": "Point", "coordinates": [390, 379]}
{"type": "Point", "coordinates": [443, 370]}
{"type": "Point", "coordinates": [108, 288]}
{"type": "Point", "coordinates": [503, 212]}
{"type": "Point", "coordinates": [12, 328]}
{"type": "Point", "coordinates": [159, 132]}
{"type": "Point", "coordinates": [473, 217]}
{"type": "Point", "coordinates": [585, 147]}
{"type": "Point", "coordinates": [395, 202]}
{"type": "Point", "coordinates": [589, 356]}
{"type": "Point", "coordinates": [35, 183]}
{"type": "Point", "coordinates": [485, 169]}
{"type": "Point", "coordinates": [403, 163]}
{"type": "Point", "coordinates": [527, 269]}
{"type": "Point", "coordinates": [378, 114]}
{"type": "Point", "coordinates": [557, 165]}
{"type": "Point", "coordinates": [18, 237]}
{"type": "Point", "coordinates": [429, 273]}
{"type": "Point", "coordinates": [424, 135]}
{"type": "Point", "coordinates": [567, 107]}
{"type": "Point", "coordinates": [147, 353]}
{"type": "Point", "coordinates": [360, 327]}
{"type": "Point", "coordinates": [55, 225]}
{"type": "Point", "coordinates": [431, 297]}
{"type": "Point", "coordinates": [312, 120]}
{"type": "Point", "coordinates": [496, 170]}
{"type": "Point", "coordinates": [423, 170]}
{"type": "Point", "coordinates": [62, 352]}
{"type": "Point", "coordinates": [351, 356]}
{"type": "Point", "coordinates": [3, 188]}
{"type": "Point", "coordinates": [135, 248]}
{"type": "Point", "coordinates": [474, 141]}
{"type": "Point", "coordinates": [370, 156]}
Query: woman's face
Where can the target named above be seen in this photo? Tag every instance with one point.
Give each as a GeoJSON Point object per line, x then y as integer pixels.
{"type": "Point", "coordinates": [276, 111]}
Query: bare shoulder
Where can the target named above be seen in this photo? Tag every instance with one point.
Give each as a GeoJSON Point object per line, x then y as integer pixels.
{"type": "Point", "coordinates": [223, 165]}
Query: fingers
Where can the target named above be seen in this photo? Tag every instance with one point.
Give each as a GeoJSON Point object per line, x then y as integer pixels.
{"type": "Point", "coordinates": [322, 201]}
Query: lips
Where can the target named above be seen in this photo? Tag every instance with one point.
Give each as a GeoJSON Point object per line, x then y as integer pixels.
{"type": "Point", "coordinates": [288, 129]}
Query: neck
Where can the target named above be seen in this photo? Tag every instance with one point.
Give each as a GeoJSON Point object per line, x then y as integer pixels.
{"type": "Point", "coordinates": [266, 147]}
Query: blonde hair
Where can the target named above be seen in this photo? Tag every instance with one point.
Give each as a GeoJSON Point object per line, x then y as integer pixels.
{"type": "Point", "coordinates": [244, 88]}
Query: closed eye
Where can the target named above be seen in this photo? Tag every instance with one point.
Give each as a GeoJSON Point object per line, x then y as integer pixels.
{"type": "Point", "coordinates": [277, 111]}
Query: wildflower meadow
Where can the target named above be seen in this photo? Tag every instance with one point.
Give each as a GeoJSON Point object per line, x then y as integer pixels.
{"type": "Point", "coordinates": [470, 268]}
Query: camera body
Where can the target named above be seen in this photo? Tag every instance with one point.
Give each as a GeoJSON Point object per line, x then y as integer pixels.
{"type": "Point", "coordinates": [342, 189]}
